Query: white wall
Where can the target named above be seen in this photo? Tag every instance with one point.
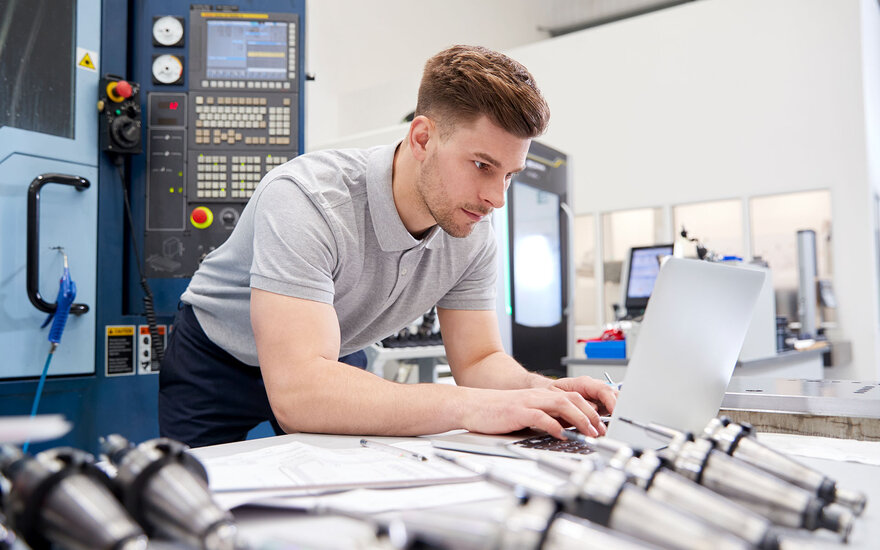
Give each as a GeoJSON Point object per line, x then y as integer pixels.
{"type": "Point", "coordinates": [367, 57]}
{"type": "Point", "coordinates": [871, 75]}
{"type": "Point", "coordinates": [728, 98]}
{"type": "Point", "coordinates": [710, 100]}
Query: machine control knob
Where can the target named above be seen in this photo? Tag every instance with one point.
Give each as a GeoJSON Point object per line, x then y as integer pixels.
{"type": "Point", "coordinates": [229, 217]}
{"type": "Point", "coordinates": [201, 217]}
{"type": "Point", "coordinates": [126, 131]}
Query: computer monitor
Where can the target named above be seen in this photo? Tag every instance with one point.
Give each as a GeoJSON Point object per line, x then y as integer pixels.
{"type": "Point", "coordinates": [644, 265]}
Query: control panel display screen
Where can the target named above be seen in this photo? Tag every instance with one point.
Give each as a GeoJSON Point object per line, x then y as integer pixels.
{"type": "Point", "coordinates": [246, 50]}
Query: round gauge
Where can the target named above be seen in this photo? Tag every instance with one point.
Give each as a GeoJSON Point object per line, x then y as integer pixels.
{"type": "Point", "coordinates": [167, 31]}
{"type": "Point", "coordinates": [167, 69]}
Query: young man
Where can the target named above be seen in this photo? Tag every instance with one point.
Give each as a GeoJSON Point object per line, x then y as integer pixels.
{"type": "Point", "coordinates": [339, 249]}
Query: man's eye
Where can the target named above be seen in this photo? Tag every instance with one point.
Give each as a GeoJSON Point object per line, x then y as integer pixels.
{"type": "Point", "coordinates": [481, 165]}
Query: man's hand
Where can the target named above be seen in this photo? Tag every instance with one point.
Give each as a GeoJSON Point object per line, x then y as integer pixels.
{"type": "Point", "coordinates": [548, 409]}
{"type": "Point", "coordinates": [595, 391]}
{"type": "Point", "coordinates": [599, 395]}
{"type": "Point", "coordinates": [477, 358]}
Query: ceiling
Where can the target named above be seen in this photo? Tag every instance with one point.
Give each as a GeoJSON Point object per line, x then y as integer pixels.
{"type": "Point", "coordinates": [559, 17]}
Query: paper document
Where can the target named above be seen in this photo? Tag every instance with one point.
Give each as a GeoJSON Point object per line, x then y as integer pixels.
{"type": "Point", "coordinates": [849, 450]}
{"type": "Point", "coordinates": [297, 466]}
{"type": "Point", "coordinates": [375, 500]}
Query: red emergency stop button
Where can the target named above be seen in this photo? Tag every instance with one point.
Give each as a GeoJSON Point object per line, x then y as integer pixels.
{"type": "Point", "coordinates": [201, 217]}
{"type": "Point", "coordinates": [119, 91]}
{"type": "Point", "coordinates": [123, 88]}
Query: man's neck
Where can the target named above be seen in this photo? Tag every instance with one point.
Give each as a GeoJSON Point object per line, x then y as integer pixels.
{"type": "Point", "coordinates": [404, 176]}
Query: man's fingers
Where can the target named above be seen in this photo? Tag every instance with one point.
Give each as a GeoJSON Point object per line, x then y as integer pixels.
{"type": "Point", "coordinates": [551, 410]}
{"type": "Point", "coordinates": [600, 392]}
{"type": "Point", "coordinates": [592, 389]}
{"type": "Point", "coordinates": [582, 416]}
{"type": "Point", "coordinates": [608, 397]}
{"type": "Point", "coordinates": [589, 409]}
{"type": "Point", "coordinates": [546, 423]}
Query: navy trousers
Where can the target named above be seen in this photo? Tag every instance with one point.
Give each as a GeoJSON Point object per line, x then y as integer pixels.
{"type": "Point", "coordinates": [207, 396]}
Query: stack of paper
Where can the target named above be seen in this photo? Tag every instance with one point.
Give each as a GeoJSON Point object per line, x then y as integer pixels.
{"type": "Point", "coordinates": [301, 467]}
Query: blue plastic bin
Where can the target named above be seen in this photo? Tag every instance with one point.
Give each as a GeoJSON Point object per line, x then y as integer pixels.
{"type": "Point", "coordinates": [606, 349]}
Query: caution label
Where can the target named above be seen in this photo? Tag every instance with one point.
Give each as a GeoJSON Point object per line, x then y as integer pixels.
{"type": "Point", "coordinates": [87, 59]}
{"type": "Point", "coordinates": [119, 348]}
{"type": "Point", "coordinates": [147, 364]}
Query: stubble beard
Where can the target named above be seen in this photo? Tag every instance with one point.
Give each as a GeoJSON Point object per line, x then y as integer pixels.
{"type": "Point", "coordinates": [432, 191]}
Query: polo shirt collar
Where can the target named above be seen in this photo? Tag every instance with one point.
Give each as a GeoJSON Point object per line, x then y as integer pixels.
{"type": "Point", "coordinates": [391, 234]}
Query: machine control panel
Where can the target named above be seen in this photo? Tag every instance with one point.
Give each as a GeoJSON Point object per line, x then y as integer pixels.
{"type": "Point", "coordinates": [120, 116]}
{"type": "Point", "coordinates": [210, 144]}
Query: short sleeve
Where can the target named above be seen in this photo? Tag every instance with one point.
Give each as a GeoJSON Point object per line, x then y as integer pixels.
{"type": "Point", "coordinates": [294, 247]}
{"type": "Point", "coordinates": [476, 288]}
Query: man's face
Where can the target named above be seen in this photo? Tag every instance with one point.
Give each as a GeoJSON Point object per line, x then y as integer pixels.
{"type": "Point", "coordinates": [466, 175]}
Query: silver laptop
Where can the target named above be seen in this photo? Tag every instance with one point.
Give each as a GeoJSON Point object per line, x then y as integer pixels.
{"type": "Point", "coordinates": [689, 341]}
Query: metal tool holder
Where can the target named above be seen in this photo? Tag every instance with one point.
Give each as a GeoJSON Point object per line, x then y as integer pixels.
{"type": "Point", "coordinates": [647, 470]}
{"type": "Point", "coordinates": [783, 503]}
{"type": "Point", "coordinates": [737, 440]}
{"type": "Point", "coordinates": [59, 498]}
{"type": "Point", "coordinates": [166, 489]}
{"type": "Point", "coordinates": [604, 497]}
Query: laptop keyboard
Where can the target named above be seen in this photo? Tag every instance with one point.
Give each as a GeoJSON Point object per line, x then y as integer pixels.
{"type": "Point", "coordinates": [549, 443]}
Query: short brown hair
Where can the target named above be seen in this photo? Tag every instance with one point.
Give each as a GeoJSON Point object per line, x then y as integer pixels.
{"type": "Point", "coordinates": [463, 82]}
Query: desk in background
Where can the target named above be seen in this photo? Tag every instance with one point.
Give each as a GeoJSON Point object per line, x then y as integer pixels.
{"type": "Point", "coordinates": [844, 409]}
{"type": "Point", "coordinates": [790, 364]}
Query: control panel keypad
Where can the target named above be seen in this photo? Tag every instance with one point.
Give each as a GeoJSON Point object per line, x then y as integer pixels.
{"type": "Point", "coordinates": [242, 120]}
{"type": "Point", "coordinates": [211, 177]}
{"type": "Point", "coordinates": [246, 173]}
{"type": "Point", "coordinates": [279, 125]}
{"type": "Point", "coordinates": [225, 177]}
{"type": "Point", "coordinates": [273, 161]}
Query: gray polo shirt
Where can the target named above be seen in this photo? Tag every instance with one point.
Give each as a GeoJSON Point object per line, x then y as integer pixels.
{"type": "Point", "coordinates": [324, 227]}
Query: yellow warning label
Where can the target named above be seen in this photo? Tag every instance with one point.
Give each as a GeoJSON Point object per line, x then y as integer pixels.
{"type": "Point", "coordinates": [120, 331]}
{"type": "Point", "coordinates": [87, 62]}
{"type": "Point", "coordinates": [87, 59]}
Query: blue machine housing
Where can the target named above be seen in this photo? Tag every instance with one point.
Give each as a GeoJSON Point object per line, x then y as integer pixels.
{"type": "Point", "coordinates": [98, 404]}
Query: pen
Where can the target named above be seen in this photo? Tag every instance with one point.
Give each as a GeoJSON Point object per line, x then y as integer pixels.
{"type": "Point", "coordinates": [607, 377]}
{"type": "Point", "coordinates": [392, 449]}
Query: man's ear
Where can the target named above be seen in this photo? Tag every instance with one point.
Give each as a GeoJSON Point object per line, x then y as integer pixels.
{"type": "Point", "coordinates": [421, 131]}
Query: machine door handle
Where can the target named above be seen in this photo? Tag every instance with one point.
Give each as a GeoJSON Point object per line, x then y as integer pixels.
{"type": "Point", "coordinates": [33, 238]}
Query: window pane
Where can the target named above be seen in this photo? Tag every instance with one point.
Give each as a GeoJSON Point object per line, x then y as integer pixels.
{"type": "Point", "coordinates": [717, 224]}
{"type": "Point", "coordinates": [36, 65]}
{"type": "Point", "coordinates": [775, 220]}
{"type": "Point", "coordinates": [585, 291]}
{"type": "Point", "coordinates": [877, 237]}
{"type": "Point", "coordinates": [621, 231]}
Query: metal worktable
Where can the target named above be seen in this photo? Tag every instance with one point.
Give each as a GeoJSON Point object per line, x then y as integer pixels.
{"type": "Point", "coordinates": [329, 531]}
{"type": "Point", "coordinates": [834, 408]}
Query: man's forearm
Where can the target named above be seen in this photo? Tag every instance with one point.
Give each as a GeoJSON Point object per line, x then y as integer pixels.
{"type": "Point", "coordinates": [325, 396]}
{"type": "Point", "coordinates": [498, 371]}
{"type": "Point", "coordinates": [330, 397]}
